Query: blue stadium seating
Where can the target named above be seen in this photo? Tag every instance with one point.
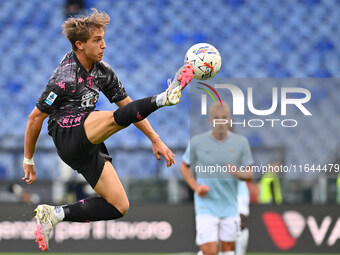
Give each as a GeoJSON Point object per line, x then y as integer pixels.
{"type": "Point", "coordinates": [147, 40]}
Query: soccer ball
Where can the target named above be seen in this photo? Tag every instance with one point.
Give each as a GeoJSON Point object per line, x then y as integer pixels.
{"type": "Point", "coordinates": [205, 59]}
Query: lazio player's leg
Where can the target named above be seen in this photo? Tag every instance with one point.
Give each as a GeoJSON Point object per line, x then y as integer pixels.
{"type": "Point", "coordinates": [230, 228]}
{"type": "Point", "coordinates": [207, 228]}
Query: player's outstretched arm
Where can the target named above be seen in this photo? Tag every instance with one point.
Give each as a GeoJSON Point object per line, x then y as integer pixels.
{"type": "Point", "coordinates": [33, 128]}
{"type": "Point", "coordinates": [158, 147]}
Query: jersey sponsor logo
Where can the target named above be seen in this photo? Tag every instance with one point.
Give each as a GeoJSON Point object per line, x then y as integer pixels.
{"type": "Point", "coordinates": [61, 85]}
{"type": "Point", "coordinates": [70, 121]}
{"type": "Point", "coordinates": [90, 81]}
{"type": "Point", "coordinates": [80, 80]}
{"type": "Point", "coordinates": [50, 98]}
{"type": "Point", "coordinates": [89, 99]}
{"type": "Point", "coordinates": [140, 117]}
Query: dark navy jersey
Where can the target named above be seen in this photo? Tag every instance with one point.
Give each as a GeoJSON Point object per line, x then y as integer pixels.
{"type": "Point", "coordinates": [72, 91]}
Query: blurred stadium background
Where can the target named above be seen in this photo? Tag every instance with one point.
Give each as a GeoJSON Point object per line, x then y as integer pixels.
{"type": "Point", "coordinates": [146, 42]}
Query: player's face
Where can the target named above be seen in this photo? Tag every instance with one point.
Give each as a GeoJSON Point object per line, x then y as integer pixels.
{"type": "Point", "coordinates": [94, 47]}
{"type": "Point", "coordinates": [220, 113]}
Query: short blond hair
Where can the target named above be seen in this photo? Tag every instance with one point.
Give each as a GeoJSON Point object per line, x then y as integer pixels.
{"type": "Point", "coordinates": [225, 106]}
{"type": "Point", "coordinates": [79, 29]}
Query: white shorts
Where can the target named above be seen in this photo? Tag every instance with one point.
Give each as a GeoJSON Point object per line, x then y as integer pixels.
{"type": "Point", "coordinates": [243, 205]}
{"type": "Point", "coordinates": [212, 229]}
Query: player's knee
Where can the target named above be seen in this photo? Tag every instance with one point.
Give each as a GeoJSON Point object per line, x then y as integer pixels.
{"type": "Point", "coordinates": [122, 206]}
{"type": "Point", "coordinates": [209, 251]}
{"type": "Point", "coordinates": [121, 119]}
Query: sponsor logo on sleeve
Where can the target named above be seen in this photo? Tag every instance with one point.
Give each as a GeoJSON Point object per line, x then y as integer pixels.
{"type": "Point", "coordinates": [50, 98]}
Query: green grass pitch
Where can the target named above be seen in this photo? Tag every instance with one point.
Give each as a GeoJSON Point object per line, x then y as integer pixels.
{"type": "Point", "coordinates": [48, 253]}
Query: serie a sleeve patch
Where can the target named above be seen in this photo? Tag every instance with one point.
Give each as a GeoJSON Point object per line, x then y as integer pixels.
{"type": "Point", "coordinates": [50, 98]}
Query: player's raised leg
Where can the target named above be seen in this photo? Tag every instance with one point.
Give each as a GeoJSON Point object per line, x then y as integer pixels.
{"type": "Point", "coordinates": [100, 125]}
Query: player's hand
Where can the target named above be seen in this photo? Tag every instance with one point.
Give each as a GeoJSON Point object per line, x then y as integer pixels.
{"type": "Point", "coordinates": [202, 190]}
{"type": "Point", "coordinates": [245, 175]}
{"type": "Point", "coordinates": [243, 221]}
{"type": "Point", "coordinates": [160, 149]}
{"type": "Point", "coordinates": [232, 169]}
{"type": "Point", "coordinates": [30, 175]}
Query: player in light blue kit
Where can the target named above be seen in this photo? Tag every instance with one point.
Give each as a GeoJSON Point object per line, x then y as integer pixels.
{"type": "Point", "coordinates": [217, 158]}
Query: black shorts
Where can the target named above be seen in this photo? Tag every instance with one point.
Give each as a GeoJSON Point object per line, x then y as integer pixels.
{"type": "Point", "coordinates": [75, 149]}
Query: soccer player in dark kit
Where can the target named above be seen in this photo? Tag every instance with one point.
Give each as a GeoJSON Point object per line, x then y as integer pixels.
{"type": "Point", "coordinates": [78, 131]}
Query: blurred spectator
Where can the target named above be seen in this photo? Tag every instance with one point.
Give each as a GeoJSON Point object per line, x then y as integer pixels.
{"type": "Point", "coordinates": [16, 193]}
{"type": "Point", "coordinates": [74, 7]}
{"type": "Point", "coordinates": [270, 187]}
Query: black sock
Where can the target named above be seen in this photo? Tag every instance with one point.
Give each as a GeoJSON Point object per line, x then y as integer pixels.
{"type": "Point", "coordinates": [91, 209]}
{"type": "Point", "coordinates": [135, 111]}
